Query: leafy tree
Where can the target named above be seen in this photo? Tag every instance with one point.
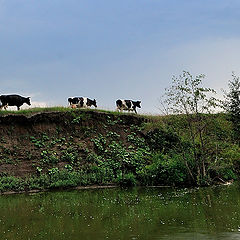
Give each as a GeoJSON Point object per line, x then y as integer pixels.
{"type": "Point", "coordinates": [232, 104]}
{"type": "Point", "coordinates": [187, 96]}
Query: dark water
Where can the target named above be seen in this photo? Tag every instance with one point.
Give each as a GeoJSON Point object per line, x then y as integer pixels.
{"type": "Point", "coordinates": [139, 213]}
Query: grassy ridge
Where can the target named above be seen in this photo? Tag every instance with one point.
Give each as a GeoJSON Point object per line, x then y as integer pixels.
{"type": "Point", "coordinates": [30, 111]}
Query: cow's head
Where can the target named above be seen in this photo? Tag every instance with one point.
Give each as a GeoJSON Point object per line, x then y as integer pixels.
{"type": "Point", "coordinates": [73, 106]}
{"type": "Point", "coordinates": [94, 103]}
{"type": "Point", "coordinates": [28, 101]}
{"type": "Point", "coordinates": [138, 104]}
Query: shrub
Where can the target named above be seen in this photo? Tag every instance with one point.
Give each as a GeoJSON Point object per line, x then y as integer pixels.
{"type": "Point", "coordinates": [126, 180]}
{"type": "Point", "coordinates": [232, 104]}
{"type": "Point", "coordinates": [8, 183]}
{"type": "Point", "coordinates": [162, 139]}
{"type": "Point", "coordinates": [164, 170]}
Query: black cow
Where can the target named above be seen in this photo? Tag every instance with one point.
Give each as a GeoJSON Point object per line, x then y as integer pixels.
{"type": "Point", "coordinates": [81, 102]}
{"type": "Point", "coordinates": [13, 100]}
{"type": "Point", "coordinates": [127, 105]}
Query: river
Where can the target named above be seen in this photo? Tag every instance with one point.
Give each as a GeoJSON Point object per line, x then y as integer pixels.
{"type": "Point", "coordinates": [137, 213]}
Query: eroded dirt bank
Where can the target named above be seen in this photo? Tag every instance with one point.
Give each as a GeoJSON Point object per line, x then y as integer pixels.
{"type": "Point", "coordinates": [70, 148]}
{"type": "Point", "coordinates": [30, 144]}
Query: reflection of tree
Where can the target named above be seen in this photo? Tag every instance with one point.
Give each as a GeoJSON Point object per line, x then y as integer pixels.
{"type": "Point", "coordinates": [217, 208]}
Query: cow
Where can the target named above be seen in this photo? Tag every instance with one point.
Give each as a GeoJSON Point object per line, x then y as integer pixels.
{"type": "Point", "coordinates": [81, 102]}
{"type": "Point", "coordinates": [13, 100]}
{"type": "Point", "coordinates": [127, 105]}
{"type": "Point", "coordinates": [73, 101]}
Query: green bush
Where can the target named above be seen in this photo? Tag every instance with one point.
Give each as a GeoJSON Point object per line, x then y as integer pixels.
{"type": "Point", "coordinates": [38, 182]}
{"type": "Point", "coordinates": [126, 180]}
{"type": "Point", "coordinates": [164, 169]}
{"type": "Point", "coordinates": [227, 164]}
{"type": "Point", "coordinates": [162, 139]}
{"type": "Point", "coordinates": [9, 183]}
{"type": "Point", "coordinates": [227, 174]}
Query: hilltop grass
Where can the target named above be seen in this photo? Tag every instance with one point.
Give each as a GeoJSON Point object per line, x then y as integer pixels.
{"type": "Point", "coordinates": [30, 111]}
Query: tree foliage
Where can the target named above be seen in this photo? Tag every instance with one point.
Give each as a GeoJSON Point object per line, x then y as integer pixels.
{"type": "Point", "coordinates": [232, 104]}
{"type": "Point", "coordinates": [189, 97]}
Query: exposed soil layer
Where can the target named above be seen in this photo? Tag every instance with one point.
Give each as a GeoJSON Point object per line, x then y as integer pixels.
{"type": "Point", "coordinates": [41, 140]}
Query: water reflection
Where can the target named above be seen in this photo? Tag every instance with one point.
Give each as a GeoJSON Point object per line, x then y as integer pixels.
{"type": "Point", "coordinates": [139, 213]}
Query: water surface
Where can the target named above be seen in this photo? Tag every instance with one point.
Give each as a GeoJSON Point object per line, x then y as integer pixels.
{"type": "Point", "coordinates": [138, 213]}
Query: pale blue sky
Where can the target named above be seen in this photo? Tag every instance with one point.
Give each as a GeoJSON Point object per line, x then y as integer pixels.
{"type": "Point", "coordinates": [112, 49]}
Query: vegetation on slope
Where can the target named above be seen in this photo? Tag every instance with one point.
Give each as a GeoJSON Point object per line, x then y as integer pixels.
{"type": "Point", "coordinates": [78, 148]}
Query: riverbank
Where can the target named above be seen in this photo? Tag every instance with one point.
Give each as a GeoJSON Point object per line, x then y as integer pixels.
{"type": "Point", "coordinates": [61, 148]}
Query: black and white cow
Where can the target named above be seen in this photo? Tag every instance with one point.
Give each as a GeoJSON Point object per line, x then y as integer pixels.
{"type": "Point", "coordinates": [13, 100]}
{"type": "Point", "coordinates": [127, 105]}
{"type": "Point", "coordinates": [81, 102]}
{"type": "Point", "coordinates": [73, 101]}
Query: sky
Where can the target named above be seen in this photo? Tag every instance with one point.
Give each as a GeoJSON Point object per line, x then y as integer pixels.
{"type": "Point", "coordinates": [109, 50]}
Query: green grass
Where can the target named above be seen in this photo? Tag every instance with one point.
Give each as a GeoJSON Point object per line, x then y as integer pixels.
{"type": "Point", "coordinates": [36, 110]}
{"type": "Point", "coordinates": [31, 111]}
